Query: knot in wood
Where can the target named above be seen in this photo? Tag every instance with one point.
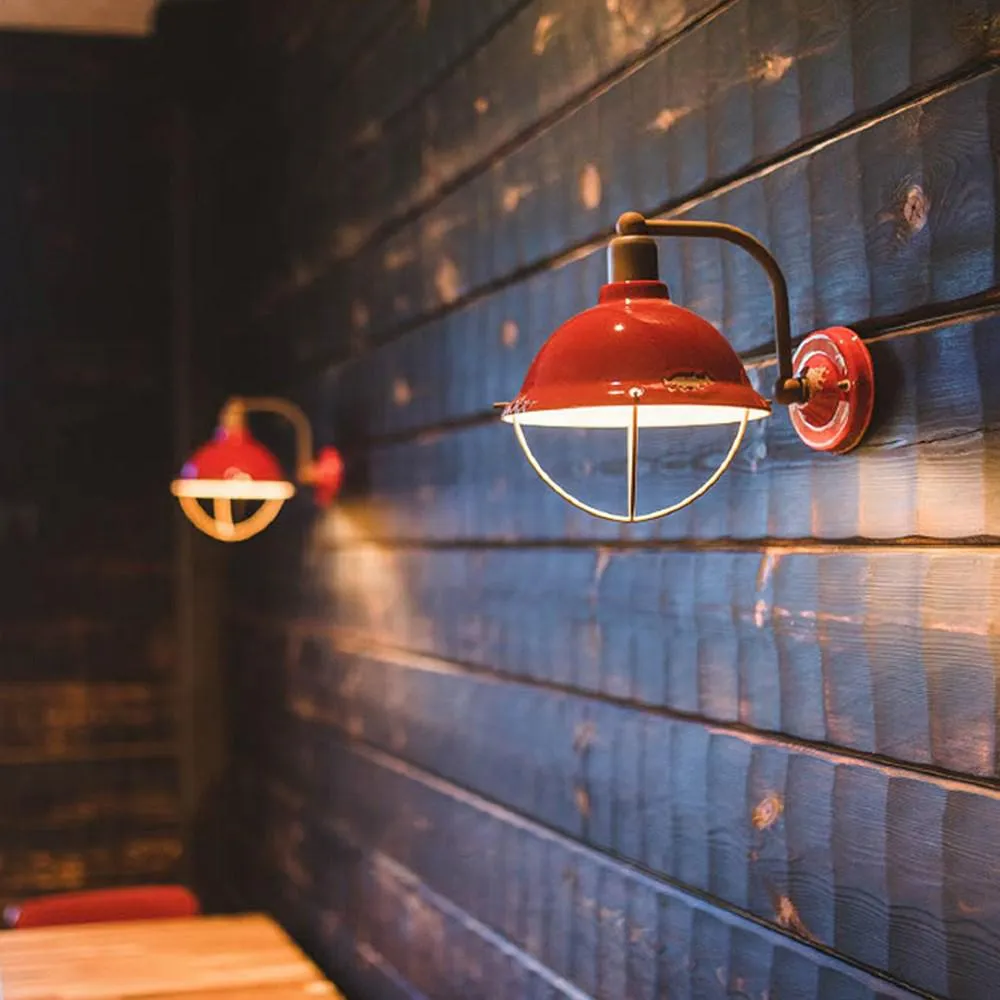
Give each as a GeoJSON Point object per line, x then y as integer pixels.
{"type": "Point", "coordinates": [773, 67]}
{"type": "Point", "coordinates": [583, 736]}
{"type": "Point", "coordinates": [402, 394]}
{"type": "Point", "coordinates": [509, 333]}
{"type": "Point", "coordinates": [590, 187]}
{"type": "Point", "coordinates": [447, 280]}
{"type": "Point", "coordinates": [916, 207]}
{"type": "Point", "coordinates": [543, 32]}
{"type": "Point", "coordinates": [766, 812]}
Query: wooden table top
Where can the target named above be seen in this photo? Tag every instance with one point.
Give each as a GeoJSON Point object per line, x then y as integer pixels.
{"type": "Point", "coordinates": [198, 958]}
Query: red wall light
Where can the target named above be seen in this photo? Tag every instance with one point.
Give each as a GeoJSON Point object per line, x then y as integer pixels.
{"type": "Point", "coordinates": [636, 360]}
{"type": "Point", "coordinates": [235, 468]}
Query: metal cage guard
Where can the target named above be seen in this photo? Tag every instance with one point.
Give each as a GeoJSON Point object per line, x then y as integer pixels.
{"type": "Point", "coordinates": [633, 447]}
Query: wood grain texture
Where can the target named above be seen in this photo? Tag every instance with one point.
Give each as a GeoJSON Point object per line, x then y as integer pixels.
{"type": "Point", "coordinates": [302, 992]}
{"type": "Point", "coordinates": [219, 956]}
{"type": "Point", "coordinates": [925, 468]}
{"type": "Point", "coordinates": [140, 858]}
{"type": "Point", "coordinates": [411, 923]}
{"type": "Point", "coordinates": [63, 717]}
{"type": "Point", "coordinates": [825, 846]}
{"type": "Point", "coordinates": [425, 43]}
{"type": "Point", "coordinates": [719, 756]}
{"type": "Point", "coordinates": [606, 929]}
{"type": "Point", "coordinates": [87, 733]}
{"type": "Point", "coordinates": [453, 368]}
{"type": "Point", "coordinates": [884, 651]}
{"type": "Point", "coordinates": [357, 968]}
{"type": "Point", "coordinates": [98, 17]}
{"type": "Point", "coordinates": [562, 47]}
{"type": "Point", "coordinates": [720, 285]}
{"type": "Point", "coordinates": [567, 186]}
{"type": "Point", "coordinates": [572, 208]}
{"type": "Point", "coordinates": [92, 796]}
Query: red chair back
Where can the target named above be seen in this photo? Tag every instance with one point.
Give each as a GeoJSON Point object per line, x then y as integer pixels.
{"type": "Point", "coordinates": [147, 902]}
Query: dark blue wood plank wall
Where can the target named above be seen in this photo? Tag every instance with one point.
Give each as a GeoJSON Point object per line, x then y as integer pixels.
{"type": "Point", "coordinates": [89, 777]}
{"type": "Point", "coordinates": [489, 747]}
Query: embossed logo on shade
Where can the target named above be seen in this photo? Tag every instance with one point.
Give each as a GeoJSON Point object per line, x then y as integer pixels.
{"type": "Point", "coordinates": [688, 381]}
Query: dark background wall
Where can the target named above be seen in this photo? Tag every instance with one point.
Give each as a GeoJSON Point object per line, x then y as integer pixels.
{"type": "Point", "coordinates": [487, 746]}
{"type": "Point", "coordinates": [89, 778]}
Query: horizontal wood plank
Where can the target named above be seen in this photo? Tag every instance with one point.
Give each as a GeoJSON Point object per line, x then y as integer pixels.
{"type": "Point", "coordinates": [409, 921]}
{"type": "Point", "coordinates": [426, 45]}
{"type": "Point", "coordinates": [111, 794]}
{"type": "Point", "coordinates": [886, 651]}
{"type": "Point", "coordinates": [859, 261]}
{"type": "Point", "coordinates": [609, 931]}
{"type": "Point", "coordinates": [317, 54]}
{"type": "Point", "coordinates": [926, 468]}
{"type": "Point", "coordinates": [114, 752]}
{"type": "Point", "coordinates": [29, 871]}
{"type": "Point", "coordinates": [87, 731]}
{"type": "Point", "coordinates": [66, 718]}
{"type": "Point", "coordinates": [826, 847]}
{"type": "Point", "coordinates": [68, 646]}
{"type": "Point", "coordinates": [453, 724]}
{"type": "Point", "coordinates": [562, 48]}
{"type": "Point", "coordinates": [558, 192]}
{"type": "Point", "coordinates": [118, 961]}
{"type": "Point", "coordinates": [300, 992]}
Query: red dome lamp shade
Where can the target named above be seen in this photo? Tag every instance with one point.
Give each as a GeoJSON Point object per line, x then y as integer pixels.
{"type": "Point", "coordinates": [235, 467]}
{"type": "Point", "coordinates": [637, 360]}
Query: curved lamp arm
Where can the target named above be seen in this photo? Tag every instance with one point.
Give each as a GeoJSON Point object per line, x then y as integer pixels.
{"type": "Point", "coordinates": [233, 414]}
{"type": "Point", "coordinates": [788, 388]}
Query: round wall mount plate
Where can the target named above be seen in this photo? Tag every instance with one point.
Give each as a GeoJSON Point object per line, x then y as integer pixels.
{"type": "Point", "coordinates": [837, 368]}
{"type": "Point", "coordinates": [328, 476]}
